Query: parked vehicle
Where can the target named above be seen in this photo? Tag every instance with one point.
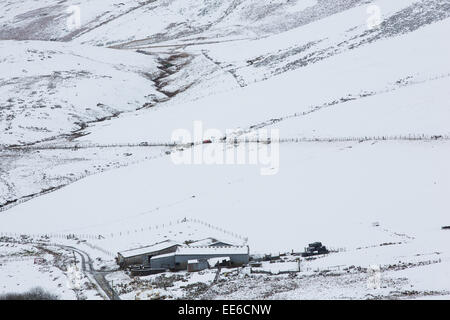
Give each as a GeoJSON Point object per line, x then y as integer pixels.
{"type": "Point", "coordinates": [314, 249]}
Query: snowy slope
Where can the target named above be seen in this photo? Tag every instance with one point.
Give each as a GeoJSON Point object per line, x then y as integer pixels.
{"type": "Point", "coordinates": [362, 182]}
{"type": "Point", "coordinates": [311, 69]}
{"type": "Point", "coordinates": [330, 192]}
{"type": "Point", "coordinates": [47, 20]}
{"type": "Point", "coordinates": [384, 91]}
{"type": "Point", "coordinates": [185, 21]}
{"type": "Point", "coordinates": [47, 89]}
{"type": "Point", "coordinates": [254, 60]}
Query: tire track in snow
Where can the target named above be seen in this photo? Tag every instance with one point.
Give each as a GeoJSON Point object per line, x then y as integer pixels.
{"type": "Point", "coordinates": [91, 273]}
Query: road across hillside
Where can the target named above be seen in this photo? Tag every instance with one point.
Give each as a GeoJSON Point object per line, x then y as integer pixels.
{"type": "Point", "coordinates": [87, 267]}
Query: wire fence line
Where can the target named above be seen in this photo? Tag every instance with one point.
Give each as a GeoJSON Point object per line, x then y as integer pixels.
{"type": "Point", "coordinates": [27, 198]}
{"type": "Point", "coordinates": [408, 137]}
{"type": "Point", "coordinates": [73, 178]}
{"type": "Point", "coordinates": [216, 228]}
{"type": "Point", "coordinates": [28, 236]}
{"type": "Point", "coordinates": [45, 240]}
{"type": "Point", "coordinates": [46, 237]}
{"type": "Point", "coordinates": [96, 247]}
{"type": "Point", "coordinates": [162, 226]}
{"type": "Point", "coordinates": [117, 233]}
{"type": "Point", "coordinates": [225, 140]}
{"type": "Point", "coordinates": [87, 145]}
{"type": "Point", "coordinates": [16, 259]}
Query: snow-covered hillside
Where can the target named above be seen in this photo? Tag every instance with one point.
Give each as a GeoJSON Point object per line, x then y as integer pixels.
{"type": "Point", "coordinates": [47, 20]}
{"type": "Point", "coordinates": [49, 89]}
{"type": "Point", "coordinates": [381, 88]}
{"type": "Point", "coordinates": [360, 104]}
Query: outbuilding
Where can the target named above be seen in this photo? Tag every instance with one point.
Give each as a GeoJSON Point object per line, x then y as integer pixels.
{"type": "Point", "coordinates": [178, 260]}
{"type": "Point", "coordinates": [210, 242]}
{"type": "Point", "coordinates": [142, 255]}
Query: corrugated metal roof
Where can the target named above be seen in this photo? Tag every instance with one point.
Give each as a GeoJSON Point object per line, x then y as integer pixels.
{"type": "Point", "coordinates": [204, 250]}
{"type": "Point", "coordinates": [208, 242]}
{"type": "Point", "coordinates": [148, 249]}
{"type": "Point", "coordinates": [163, 255]}
{"type": "Point", "coordinates": [211, 251]}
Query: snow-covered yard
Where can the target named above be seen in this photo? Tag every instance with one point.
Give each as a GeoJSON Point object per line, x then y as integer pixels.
{"type": "Point", "coordinates": [24, 266]}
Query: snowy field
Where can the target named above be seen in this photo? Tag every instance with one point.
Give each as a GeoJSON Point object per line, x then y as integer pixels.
{"type": "Point", "coordinates": [132, 207]}
{"type": "Point", "coordinates": [351, 176]}
{"type": "Point", "coordinates": [87, 166]}
{"type": "Point", "coordinates": [21, 271]}
{"type": "Point", "coordinates": [47, 92]}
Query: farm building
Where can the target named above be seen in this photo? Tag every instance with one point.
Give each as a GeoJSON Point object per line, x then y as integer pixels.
{"type": "Point", "coordinates": [209, 242]}
{"type": "Point", "coordinates": [178, 260]}
{"type": "Point", "coordinates": [142, 255]}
